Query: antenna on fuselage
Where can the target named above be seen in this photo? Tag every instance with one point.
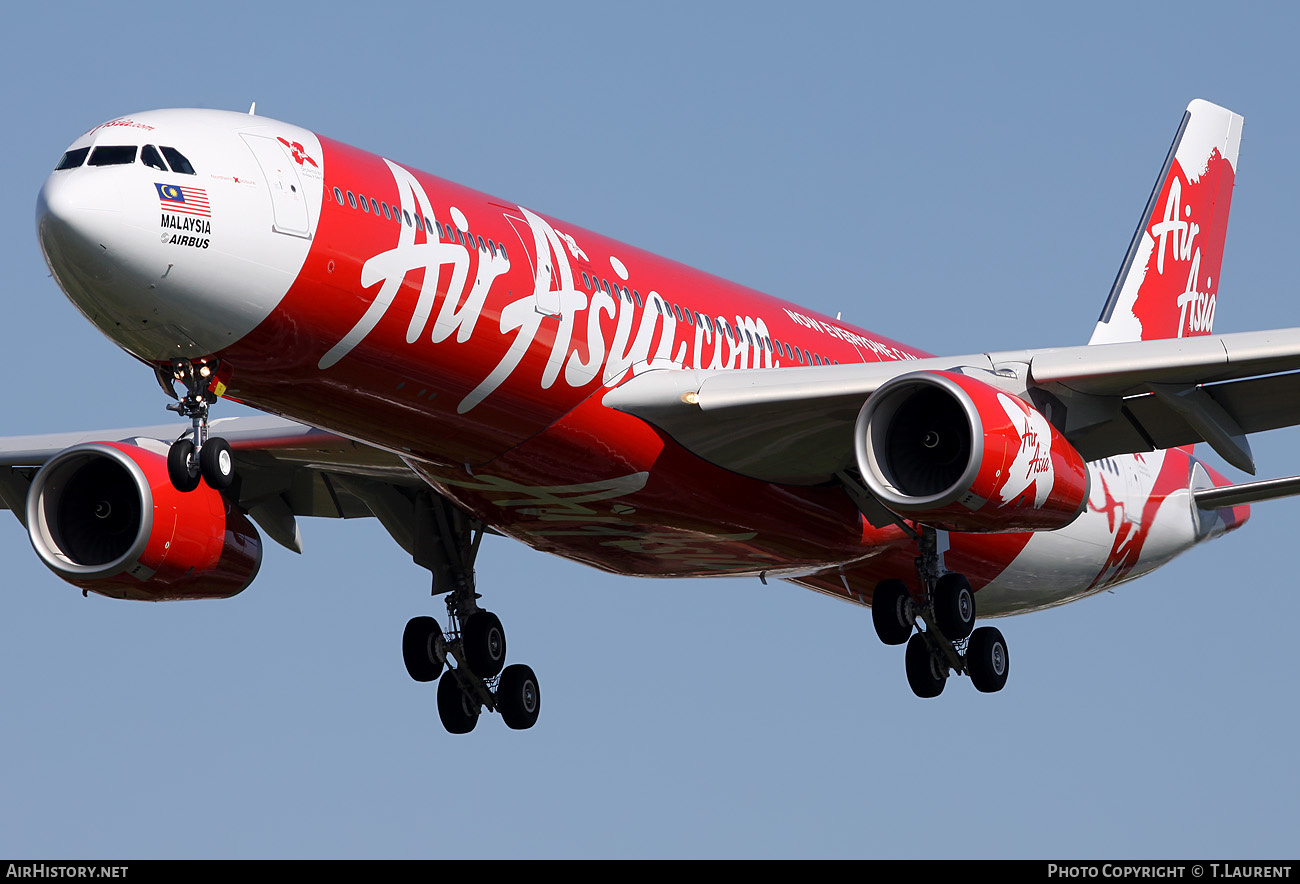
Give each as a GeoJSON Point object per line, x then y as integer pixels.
{"type": "Point", "coordinates": [252, 109]}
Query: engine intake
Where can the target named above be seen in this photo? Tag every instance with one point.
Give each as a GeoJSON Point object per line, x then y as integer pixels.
{"type": "Point", "coordinates": [104, 516]}
{"type": "Point", "coordinates": [959, 454]}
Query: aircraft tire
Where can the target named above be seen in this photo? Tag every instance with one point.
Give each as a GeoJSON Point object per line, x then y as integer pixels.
{"type": "Point", "coordinates": [518, 697]}
{"type": "Point", "coordinates": [485, 644]}
{"type": "Point", "coordinates": [216, 464]}
{"type": "Point", "coordinates": [925, 674]}
{"type": "Point", "coordinates": [987, 660]}
{"type": "Point", "coordinates": [417, 648]}
{"type": "Point", "coordinates": [888, 607]}
{"type": "Point", "coordinates": [954, 606]}
{"type": "Point", "coordinates": [179, 456]}
{"type": "Point", "coordinates": [457, 711]}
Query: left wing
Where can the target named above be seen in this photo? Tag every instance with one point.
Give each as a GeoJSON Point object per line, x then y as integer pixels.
{"type": "Point", "coordinates": [796, 425]}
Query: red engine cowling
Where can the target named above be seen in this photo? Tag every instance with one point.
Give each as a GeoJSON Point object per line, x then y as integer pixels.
{"type": "Point", "coordinates": [958, 454]}
{"type": "Point", "coordinates": [104, 516]}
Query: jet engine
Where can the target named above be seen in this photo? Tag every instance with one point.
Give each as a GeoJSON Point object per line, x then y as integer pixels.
{"type": "Point", "coordinates": [104, 516]}
{"type": "Point", "coordinates": [958, 454]}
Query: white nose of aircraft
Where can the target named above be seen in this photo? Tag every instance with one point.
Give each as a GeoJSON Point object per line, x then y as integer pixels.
{"type": "Point", "coordinates": [170, 252]}
{"type": "Point", "coordinates": [100, 238]}
{"type": "Point", "coordinates": [79, 224]}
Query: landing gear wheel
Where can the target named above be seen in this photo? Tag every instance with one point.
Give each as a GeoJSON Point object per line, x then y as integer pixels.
{"type": "Point", "coordinates": [179, 458]}
{"type": "Point", "coordinates": [485, 644]}
{"type": "Point", "coordinates": [954, 606]}
{"type": "Point", "coordinates": [987, 660]}
{"type": "Point", "coordinates": [216, 464]}
{"type": "Point", "coordinates": [458, 712]}
{"type": "Point", "coordinates": [889, 612]}
{"type": "Point", "coordinates": [926, 673]}
{"type": "Point", "coordinates": [419, 641]}
{"type": "Point", "coordinates": [518, 697]}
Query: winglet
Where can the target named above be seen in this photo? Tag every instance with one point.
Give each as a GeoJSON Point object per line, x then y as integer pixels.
{"type": "Point", "coordinates": [1168, 281]}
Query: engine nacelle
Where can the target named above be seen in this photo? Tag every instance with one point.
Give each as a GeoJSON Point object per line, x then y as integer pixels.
{"type": "Point", "coordinates": [104, 516]}
{"type": "Point", "coordinates": [958, 454]}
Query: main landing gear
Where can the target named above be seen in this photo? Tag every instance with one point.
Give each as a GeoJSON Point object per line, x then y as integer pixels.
{"type": "Point", "coordinates": [475, 641]}
{"type": "Point", "coordinates": [195, 455]}
{"type": "Point", "coordinates": [949, 642]}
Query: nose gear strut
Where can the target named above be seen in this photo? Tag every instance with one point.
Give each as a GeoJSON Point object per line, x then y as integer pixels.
{"type": "Point", "coordinates": [195, 455]}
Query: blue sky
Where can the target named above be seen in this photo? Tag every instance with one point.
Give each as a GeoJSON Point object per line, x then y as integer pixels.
{"type": "Point", "coordinates": [957, 178]}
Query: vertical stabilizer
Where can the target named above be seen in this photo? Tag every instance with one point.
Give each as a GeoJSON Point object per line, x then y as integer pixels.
{"type": "Point", "coordinates": [1167, 284]}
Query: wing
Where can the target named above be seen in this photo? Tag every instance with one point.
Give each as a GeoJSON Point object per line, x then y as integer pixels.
{"type": "Point", "coordinates": [796, 425]}
{"type": "Point", "coordinates": [285, 470]}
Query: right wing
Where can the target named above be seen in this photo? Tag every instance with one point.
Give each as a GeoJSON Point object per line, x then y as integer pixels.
{"type": "Point", "coordinates": [285, 470]}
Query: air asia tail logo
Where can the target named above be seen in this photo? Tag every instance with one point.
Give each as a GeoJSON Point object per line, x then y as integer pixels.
{"type": "Point", "coordinates": [1177, 266]}
{"type": "Point", "coordinates": [299, 152]}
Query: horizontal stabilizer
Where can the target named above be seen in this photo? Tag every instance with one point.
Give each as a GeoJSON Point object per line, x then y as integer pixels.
{"type": "Point", "coordinates": [1247, 492]}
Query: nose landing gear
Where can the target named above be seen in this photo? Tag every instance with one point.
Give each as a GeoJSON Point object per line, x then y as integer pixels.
{"type": "Point", "coordinates": [195, 455]}
{"type": "Point", "coordinates": [949, 642]}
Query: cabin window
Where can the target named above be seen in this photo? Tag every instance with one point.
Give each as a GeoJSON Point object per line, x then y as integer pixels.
{"type": "Point", "coordinates": [504, 256]}
{"type": "Point", "coordinates": [384, 206]}
{"type": "Point", "coordinates": [72, 159]}
{"type": "Point", "coordinates": [419, 224]}
{"type": "Point", "coordinates": [352, 200]}
{"type": "Point", "coordinates": [149, 156]}
{"type": "Point", "coordinates": [637, 295]}
{"type": "Point", "coordinates": [407, 216]}
{"type": "Point", "coordinates": [374, 206]}
{"type": "Point", "coordinates": [177, 161]}
{"type": "Point", "coordinates": [338, 196]}
{"type": "Point", "coordinates": [113, 155]}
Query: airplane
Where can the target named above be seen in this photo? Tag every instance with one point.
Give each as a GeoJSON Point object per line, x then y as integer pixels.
{"type": "Point", "coordinates": [455, 364]}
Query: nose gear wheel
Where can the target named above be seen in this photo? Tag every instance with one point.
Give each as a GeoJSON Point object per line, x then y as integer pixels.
{"type": "Point", "coordinates": [195, 455]}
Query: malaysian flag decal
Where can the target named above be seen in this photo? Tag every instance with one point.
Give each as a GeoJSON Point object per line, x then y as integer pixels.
{"type": "Point", "coordinates": [186, 200]}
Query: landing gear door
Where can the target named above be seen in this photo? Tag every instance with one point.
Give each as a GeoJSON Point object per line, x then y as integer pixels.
{"type": "Point", "coordinates": [288, 201]}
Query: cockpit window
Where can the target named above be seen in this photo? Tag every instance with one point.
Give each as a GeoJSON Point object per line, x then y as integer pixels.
{"type": "Point", "coordinates": [149, 156]}
{"type": "Point", "coordinates": [72, 159]}
{"type": "Point", "coordinates": [113, 155]}
{"type": "Point", "coordinates": [177, 161]}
